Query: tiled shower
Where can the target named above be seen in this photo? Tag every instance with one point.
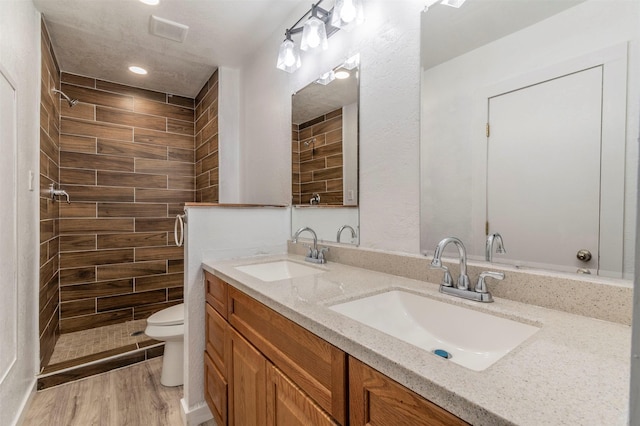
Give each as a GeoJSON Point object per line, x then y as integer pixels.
{"type": "Point", "coordinates": [317, 159]}
{"type": "Point", "coordinates": [129, 159]}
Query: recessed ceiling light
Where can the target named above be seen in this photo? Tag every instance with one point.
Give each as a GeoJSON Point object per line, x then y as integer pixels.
{"type": "Point", "coordinates": [150, 2]}
{"type": "Point", "coordinates": [137, 70]}
{"type": "Point", "coordinates": [342, 74]}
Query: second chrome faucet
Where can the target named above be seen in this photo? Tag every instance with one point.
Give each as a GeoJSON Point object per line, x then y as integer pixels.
{"type": "Point", "coordinates": [461, 289]}
{"type": "Point", "coordinates": [313, 255]}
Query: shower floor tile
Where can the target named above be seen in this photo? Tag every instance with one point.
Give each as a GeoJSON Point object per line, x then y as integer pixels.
{"type": "Point", "coordinates": [88, 342]}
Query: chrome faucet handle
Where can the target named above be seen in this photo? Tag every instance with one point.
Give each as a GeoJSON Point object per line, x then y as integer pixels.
{"type": "Point", "coordinates": [309, 250]}
{"type": "Point", "coordinates": [463, 282]}
{"type": "Point", "coordinates": [481, 287]}
{"type": "Point", "coordinates": [321, 253]}
{"type": "Point", "coordinates": [447, 280]}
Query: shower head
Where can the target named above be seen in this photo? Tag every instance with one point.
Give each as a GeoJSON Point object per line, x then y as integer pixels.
{"type": "Point", "coordinates": [70, 101]}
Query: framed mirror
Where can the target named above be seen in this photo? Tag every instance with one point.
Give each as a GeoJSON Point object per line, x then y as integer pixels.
{"type": "Point", "coordinates": [529, 128]}
{"type": "Point", "coordinates": [324, 155]}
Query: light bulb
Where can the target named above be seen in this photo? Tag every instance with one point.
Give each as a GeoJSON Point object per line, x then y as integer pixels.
{"type": "Point", "coordinates": [348, 12]}
{"type": "Point", "coordinates": [314, 35]}
{"type": "Point", "coordinates": [313, 40]}
{"type": "Point", "coordinates": [289, 58]}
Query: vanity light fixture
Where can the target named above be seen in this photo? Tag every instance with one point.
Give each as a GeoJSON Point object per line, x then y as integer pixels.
{"type": "Point", "coordinates": [453, 3]}
{"type": "Point", "coordinates": [137, 70]}
{"type": "Point", "coordinates": [351, 62]}
{"type": "Point", "coordinates": [326, 78]}
{"type": "Point", "coordinates": [151, 2]}
{"type": "Point", "coordinates": [317, 29]}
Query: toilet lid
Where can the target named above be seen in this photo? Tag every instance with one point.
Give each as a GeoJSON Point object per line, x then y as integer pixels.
{"type": "Point", "coordinates": [170, 316]}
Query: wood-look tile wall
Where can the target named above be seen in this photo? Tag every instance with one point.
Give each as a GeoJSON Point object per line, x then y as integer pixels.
{"type": "Point", "coordinates": [207, 142]}
{"type": "Point", "coordinates": [316, 155]}
{"type": "Point", "coordinates": [49, 173]}
{"type": "Point", "coordinates": [127, 162]}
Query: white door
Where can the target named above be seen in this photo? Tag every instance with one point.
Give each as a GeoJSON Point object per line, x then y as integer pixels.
{"type": "Point", "coordinates": [8, 224]}
{"type": "Point", "coordinates": [543, 171]}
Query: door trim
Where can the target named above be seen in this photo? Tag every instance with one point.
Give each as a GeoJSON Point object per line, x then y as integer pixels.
{"type": "Point", "coordinates": [614, 98]}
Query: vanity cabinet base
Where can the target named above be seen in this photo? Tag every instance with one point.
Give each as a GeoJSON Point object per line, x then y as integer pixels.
{"type": "Point", "coordinates": [376, 400]}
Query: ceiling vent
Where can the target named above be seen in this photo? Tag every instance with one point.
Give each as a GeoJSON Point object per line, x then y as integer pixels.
{"type": "Point", "coordinates": [167, 29]}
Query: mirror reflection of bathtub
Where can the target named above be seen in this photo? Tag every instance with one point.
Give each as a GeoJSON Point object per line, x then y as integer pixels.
{"type": "Point", "coordinates": [497, 120]}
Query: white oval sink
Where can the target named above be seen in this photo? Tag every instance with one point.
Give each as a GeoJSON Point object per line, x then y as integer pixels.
{"type": "Point", "coordinates": [473, 339]}
{"type": "Point", "coordinates": [280, 270]}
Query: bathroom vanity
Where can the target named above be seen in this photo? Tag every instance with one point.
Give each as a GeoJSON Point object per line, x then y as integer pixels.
{"type": "Point", "coordinates": [260, 365]}
{"type": "Point", "coordinates": [276, 350]}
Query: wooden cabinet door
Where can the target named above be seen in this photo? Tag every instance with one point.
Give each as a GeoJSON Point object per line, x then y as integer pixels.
{"type": "Point", "coordinates": [288, 405]}
{"type": "Point", "coordinates": [216, 331]}
{"type": "Point", "coordinates": [315, 365]}
{"type": "Point", "coordinates": [215, 391]}
{"type": "Point", "coordinates": [376, 400]}
{"type": "Point", "coordinates": [247, 375]}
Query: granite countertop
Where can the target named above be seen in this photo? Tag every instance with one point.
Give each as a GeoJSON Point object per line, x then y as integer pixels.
{"type": "Point", "coordinates": [574, 371]}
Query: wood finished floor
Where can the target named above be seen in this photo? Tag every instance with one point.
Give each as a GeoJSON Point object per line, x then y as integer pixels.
{"type": "Point", "coordinates": [131, 396]}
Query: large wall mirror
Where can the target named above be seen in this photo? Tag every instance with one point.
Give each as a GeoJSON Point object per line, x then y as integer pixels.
{"type": "Point", "coordinates": [324, 155]}
{"type": "Point", "coordinates": [529, 129]}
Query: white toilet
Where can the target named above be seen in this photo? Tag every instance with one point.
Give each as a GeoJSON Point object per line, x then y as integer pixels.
{"type": "Point", "coordinates": [168, 325]}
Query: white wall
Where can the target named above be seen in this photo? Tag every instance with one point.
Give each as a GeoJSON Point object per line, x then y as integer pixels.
{"type": "Point", "coordinates": [453, 116]}
{"type": "Point", "coordinates": [20, 58]}
{"type": "Point", "coordinates": [229, 134]}
{"type": "Point", "coordinates": [389, 49]}
{"type": "Point", "coordinates": [217, 233]}
{"type": "Point", "coordinates": [350, 154]}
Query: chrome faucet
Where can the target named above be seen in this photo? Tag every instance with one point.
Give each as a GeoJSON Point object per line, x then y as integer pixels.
{"type": "Point", "coordinates": [313, 255]}
{"type": "Point", "coordinates": [488, 249]}
{"type": "Point", "coordinates": [58, 193]}
{"type": "Point", "coordinates": [342, 228]}
{"type": "Point", "coordinates": [480, 292]}
{"type": "Point", "coordinates": [463, 278]}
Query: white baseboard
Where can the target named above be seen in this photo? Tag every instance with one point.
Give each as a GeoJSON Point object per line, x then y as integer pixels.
{"type": "Point", "coordinates": [26, 403]}
{"type": "Point", "coordinates": [193, 416]}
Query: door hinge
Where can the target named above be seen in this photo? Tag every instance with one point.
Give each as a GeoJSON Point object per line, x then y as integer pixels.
{"type": "Point", "coordinates": [487, 130]}
{"type": "Point", "coordinates": [486, 228]}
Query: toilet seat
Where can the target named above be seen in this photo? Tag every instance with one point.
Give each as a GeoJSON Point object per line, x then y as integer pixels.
{"type": "Point", "coordinates": [165, 332]}
{"type": "Point", "coordinates": [173, 315]}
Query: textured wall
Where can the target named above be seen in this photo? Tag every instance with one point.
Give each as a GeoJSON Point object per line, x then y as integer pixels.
{"type": "Point", "coordinates": [389, 47]}
{"type": "Point", "coordinates": [127, 162]}
{"type": "Point", "coordinates": [207, 159]}
{"type": "Point", "coordinates": [20, 59]}
{"type": "Point", "coordinates": [316, 159]}
{"type": "Point", "coordinates": [49, 308]}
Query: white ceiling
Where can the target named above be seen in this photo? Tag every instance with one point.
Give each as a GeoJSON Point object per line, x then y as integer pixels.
{"type": "Point", "coordinates": [448, 32]}
{"type": "Point", "coordinates": [317, 99]}
{"type": "Point", "coordinates": [102, 38]}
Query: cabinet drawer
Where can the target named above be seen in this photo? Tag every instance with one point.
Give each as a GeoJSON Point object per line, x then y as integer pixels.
{"type": "Point", "coordinates": [216, 330]}
{"type": "Point", "coordinates": [377, 400]}
{"type": "Point", "coordinates": [315, 365]}
{"type": "Point", "coordinates": [216, 293]}
{"type": "Point", "coordinates": [215, 391]}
